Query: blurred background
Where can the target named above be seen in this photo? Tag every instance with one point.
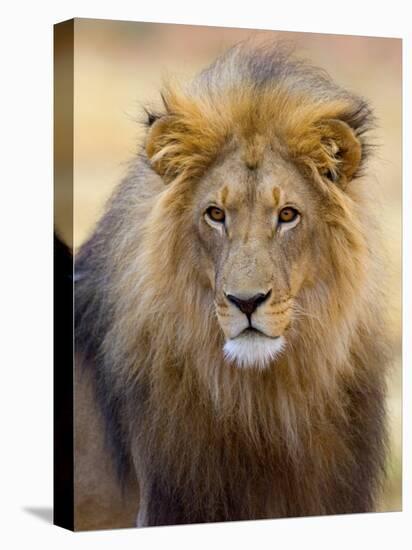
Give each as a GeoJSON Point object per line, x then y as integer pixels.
{"type": "Point", "coordinates": [118, 68]}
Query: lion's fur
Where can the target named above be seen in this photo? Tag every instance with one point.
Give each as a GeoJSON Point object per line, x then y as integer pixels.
{"type": "Point", "coordinates": [209, 441]}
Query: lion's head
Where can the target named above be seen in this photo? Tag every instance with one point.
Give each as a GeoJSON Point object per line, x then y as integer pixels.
{"type": "Point", "coordinates": [258, 205]}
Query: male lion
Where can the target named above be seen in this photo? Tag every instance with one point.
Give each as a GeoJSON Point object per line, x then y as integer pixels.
{"type": "Point", "coordinates": [228, 305]}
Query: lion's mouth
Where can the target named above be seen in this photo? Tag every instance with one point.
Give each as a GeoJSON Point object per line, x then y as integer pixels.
{"type": "Point", "coordinates": [252, 331]}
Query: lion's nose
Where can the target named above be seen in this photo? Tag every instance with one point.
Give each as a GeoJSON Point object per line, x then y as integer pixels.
{"type": "Point", "coordinates": [248, 305]}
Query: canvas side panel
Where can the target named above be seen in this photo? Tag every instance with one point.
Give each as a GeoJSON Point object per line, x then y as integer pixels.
{"type": "Point", "coordinates": [63, 275]}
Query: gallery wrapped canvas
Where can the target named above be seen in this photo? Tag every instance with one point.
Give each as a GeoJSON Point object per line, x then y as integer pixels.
{"type": "Point", "coordinates": [230, 346]}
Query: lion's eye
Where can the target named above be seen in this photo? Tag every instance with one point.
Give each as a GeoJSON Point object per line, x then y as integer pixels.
{"type": "Point", "coordinates": [288, 214]}
{"type": "Point", "coordinates": [216, 214]}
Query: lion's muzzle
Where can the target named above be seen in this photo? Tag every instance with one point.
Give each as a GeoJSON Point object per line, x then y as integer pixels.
{"type": "Point", "coordinates": [253, 324]}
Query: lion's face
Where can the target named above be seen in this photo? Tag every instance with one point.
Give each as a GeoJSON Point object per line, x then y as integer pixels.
{"type": "Point", "coordinates": [256, 229]}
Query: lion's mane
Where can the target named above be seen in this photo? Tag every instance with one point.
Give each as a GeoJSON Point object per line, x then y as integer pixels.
{"type": "Point", "coordinates": [211, 442]}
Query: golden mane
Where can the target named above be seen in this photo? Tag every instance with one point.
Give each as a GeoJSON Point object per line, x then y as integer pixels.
{"type": "Point", "coordinates": [295, 108]}
{"type": "Point", "coordinates": [154, 316]}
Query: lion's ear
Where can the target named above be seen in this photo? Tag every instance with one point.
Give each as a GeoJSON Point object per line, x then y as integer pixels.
{"type": "Point", "coordinates": [340, 152]}
{"type": "Point", "coordinates": [169, 138]}
{"type": "Point", "coordinates": [157, 141]}
{"type": "Point", "coordinates": [185, 140]}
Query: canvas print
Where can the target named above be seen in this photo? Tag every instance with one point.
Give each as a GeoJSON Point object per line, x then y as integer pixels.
{"type": "Point", "coordinates": [231, 202]}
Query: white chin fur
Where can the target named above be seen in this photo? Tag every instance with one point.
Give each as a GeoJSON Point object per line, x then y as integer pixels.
{"type": "Point", "coordinates": [253, 350]}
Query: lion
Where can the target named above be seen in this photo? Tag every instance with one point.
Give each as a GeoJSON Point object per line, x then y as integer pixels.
{"type": "Point", "coordinates": [230, 306]}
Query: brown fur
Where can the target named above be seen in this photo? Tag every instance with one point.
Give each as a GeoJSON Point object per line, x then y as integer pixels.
{"type": "Point", "coordinates": [98, 505]}
{"type": "Point", "coordinates": [210, 441]}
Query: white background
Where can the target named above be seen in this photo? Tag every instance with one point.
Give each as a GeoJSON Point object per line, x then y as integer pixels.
{"type": "Point", "coordinates": [26, 273]}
